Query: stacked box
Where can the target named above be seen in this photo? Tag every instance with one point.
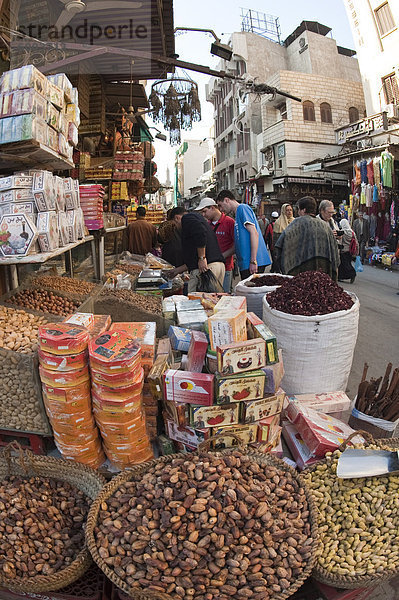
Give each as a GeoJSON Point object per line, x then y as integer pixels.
{"type": "Point", "coordinates": [91, 202]}
{"type": "Point", "coordinates": [129, 165]}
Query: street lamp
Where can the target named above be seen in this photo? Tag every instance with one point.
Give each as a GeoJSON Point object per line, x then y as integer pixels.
{"type": "Point", "coordinates": [217, 48]}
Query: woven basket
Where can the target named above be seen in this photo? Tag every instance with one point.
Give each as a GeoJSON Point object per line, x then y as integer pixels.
{"type": "Point", "coordinates": [24, 463]}
{"type": "Point", "coordinates": [355, 581]}
{"type": "Point", "coordinates": [127, 475]}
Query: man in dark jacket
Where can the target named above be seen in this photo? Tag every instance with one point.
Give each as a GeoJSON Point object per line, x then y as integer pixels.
{"type": "Point", "coordinates": [200, 250]}
{"type": "Point", "coordinates": [362, 229]}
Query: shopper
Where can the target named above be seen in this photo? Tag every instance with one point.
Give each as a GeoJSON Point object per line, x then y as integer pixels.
{"type": "Point", "coordinates": [142, 235]}
{"type": "Point", "coordinates": [348, 252]}
{"type": "Point", "coordinates": [263, 222]}
{"type": "Point", "coordinates": [286, 217]}
{"type": "Point", "coordinates": [223, 226]}
{"type": "Point", "coordinates": [200, 249]}
{"type": "Point", "coordinates": [169, 236]}
{"type": "Point", "coordinates": [361, 227]}
{"type": "Point", "coordinates": [326, 214]}
{"type": "Point", "coordinates": [250, 247]}
{"type": "Point", "coordinates": [307, 244]}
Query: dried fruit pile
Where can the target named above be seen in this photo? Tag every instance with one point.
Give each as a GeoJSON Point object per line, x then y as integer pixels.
{"type": "Point", "coordinates": [266, 280]}
{"type": "Point", "coordinates": [148, 303]}
{"type": "Point", "coordinates": [41, 526]}
{"type": "Point", "coordinates": [209, 527]}
{"type": "Point", "coordinates": [44, 301]}
{"type": "Point", "coordinates": [310, 293]}
{"type": "Point", "coordinates": [64, 284]}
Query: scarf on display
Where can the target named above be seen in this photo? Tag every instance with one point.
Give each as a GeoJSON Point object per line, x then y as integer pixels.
{"type": "Point", "coordinates": [283, 221]}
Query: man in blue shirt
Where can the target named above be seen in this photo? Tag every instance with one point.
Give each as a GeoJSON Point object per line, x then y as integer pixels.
{"type": "Point", "coordinates": [250, 247]}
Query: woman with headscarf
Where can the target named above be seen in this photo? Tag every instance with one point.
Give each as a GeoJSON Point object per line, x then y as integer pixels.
{"type": "Point", "coordinates": [348, 250]}
{"type": "Point", "coordinates": [286, 217]}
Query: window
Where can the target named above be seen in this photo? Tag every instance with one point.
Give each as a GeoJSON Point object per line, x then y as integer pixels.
{"type": "Point", "coordinates": [325, 113]}
{"type": "Point", "coordinates": [246, 138]}
{"type": "Point", "coordinates": [240, 139]}
{"type": "Point", "coordinates": [391, 89]}
{"type": "Point", "coordinates": [282, 108]}
{"type": "Point", "coordinates": [241, 175]}
{"type": "Point", "coordinates": [241, 67]}
{"type": "Point", "coordinates": [353, 114]}
{"type": "Point", "coordinates": [384, 19]}
{"type": "Point", "coordinates": [308, 111]}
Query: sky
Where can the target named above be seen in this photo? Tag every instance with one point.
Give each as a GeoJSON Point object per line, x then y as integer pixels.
{"type": "Point", "coordinates": [224, 17]}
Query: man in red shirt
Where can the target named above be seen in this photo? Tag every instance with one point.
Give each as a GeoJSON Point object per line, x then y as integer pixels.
{"type": "Point", "coordinates": [223, 226]}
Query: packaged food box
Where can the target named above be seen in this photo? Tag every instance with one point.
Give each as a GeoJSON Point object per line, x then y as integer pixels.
{"type": "Point", "coordinates": [245, 433]}
{"type": "Point", "coordinates": [274, 374]}
{"type": "Point", "coordinates": [332, 403]}
{"type": "Point", "coordinates": [64, 378]}
{"type": "Point", "coordinates": [111, 395]}
{"type": "Point", "coordinates": [52, 115]}
{"type": "Point", "coordinates": [67, 394]}
{"type": "Point", "coordinates": [243, 386]}
{"type": "Point", "coordinates": [62, 81]}
{"type": "Point", "coordinates": [255, 410]}
{"type": "Point", "coordinates": [111, 415]}
{"type": "Point", "coordinates": [82, 404]}
{"type": "Point", "coordinates": [55, 95]}
{"type": "Point", "coordinates": [117, 441]}
{"type": "Point", "coordinates": [83, 419]}
{"type": "Point", "coordinates": [176, 411]}
{"type": "Point", "coordinates": [101, 324]}
{"type": "Point", "coordinates": [187, 387]}
{"type": "Point", "coordinates": [252, 321]}
{"type": "Point", "coordinates": [179, 338]}
{"type": "Point", "coordinates": [267, 428]}
{"type": "Point", "coordinates": [192, 319]}
{"type": "Point", "coordinates": [70, 362]}
{"type": "Point", "coordinates": [85, 320]}
{"type": "Point", "coordinates": [16, 208]}
{"type": "Point", "coordinates": [197, 352]}
{"type": "Point", "coordinates": [186, 435]}
{"type": "Point", "coordinates": [6, 108]}
{"type": "Point", "coordinates": [208, 300]}
{"type": "Point", "coordinates": [12, 182]}
{"type": "Point", "coordinates": [131, 379]}
{"type": "Point", "coordinates": [73, 133]}
{"type": "Point", "coordinates": [155, 376]}
{"type": "Point", "coordinates": [47, 227]}
{"type": "Point", "coordinates": [63, 338]}
{"type": "Point", "coordinates": [227, 326]}
{"type": "Point", "coordinates": [72, 226]}
{"type": "Point", "coordinates": [17, 195]}
{"type": "Point", "coordinates": [81, 437]}
{"type": "Point", "coordinates": [263, 332]}
{"type": "Point", "coordinates": [238, 357]}
{"type": "Point", "coordinates": [121, 460]}
{"type": "Point", "coordinates": [144, 333]}
{"type": "Point", "coordinates": [214, 416]}
{"type": "Point", "coordinates": [25, 102]}
{"type": "Point", "coordinates": [297, 446]}
{"type": "Point", "coordinates": [321, 433]}
{"type": "Point", "coordinates": [231, 303]}
{"type": "Point", "coordinates": [164, 348]}
{"type": "Point", "coordinates": [114, 352]}
{"type": "Point", "coordinates": [23, 78]}
{"type": "Point", "coordinates": [43, 191]}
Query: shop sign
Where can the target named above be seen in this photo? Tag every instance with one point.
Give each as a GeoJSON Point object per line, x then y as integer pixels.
{"type": "Point", "coordinates": [373, 124]}
{"type": "Point", "coordinates": [313, 167]}
{"type": "Point", "coordinates": [17, 234]}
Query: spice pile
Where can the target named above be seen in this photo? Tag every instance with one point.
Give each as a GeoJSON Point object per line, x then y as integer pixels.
{"type": "Point", "coordinates": [42, 526]}
{"type": "Point", "coordinates": [64, 284]}
{"type": "Point", "coordinates": [208, 527]}
{"type": "Point", "coordinates": [310, 293]}
{"type": "Point", "coordinates": [151, 304]}
{"type": "Point", "coordinates": [266, 280]}
{"type": "Point", "coordinates": [44, 301]}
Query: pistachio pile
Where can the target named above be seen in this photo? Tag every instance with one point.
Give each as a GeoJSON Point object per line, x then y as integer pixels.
{"type": "Point", "coordinates": [208, 527]}
{"type": "Point", "coordinates": [358, 520]}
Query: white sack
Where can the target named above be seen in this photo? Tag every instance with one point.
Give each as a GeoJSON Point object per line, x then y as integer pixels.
{"type": "Point", "coordinates": [255, 295]}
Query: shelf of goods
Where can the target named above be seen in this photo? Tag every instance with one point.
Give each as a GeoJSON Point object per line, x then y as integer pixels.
{"type": "Point", "coordinates": [154, 213]}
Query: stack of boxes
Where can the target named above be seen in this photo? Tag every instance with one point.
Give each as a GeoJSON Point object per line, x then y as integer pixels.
{"type": "Point", "coordinates": [129, 165]}
{"type": "Point", "coordinates": [119, 191]}
{"type": "Point", "coordinates": [65, 380]}
{"type": "Point", "coordinates": [117, 379]}
{"type": "Point", "coordinates": [92, 204]}
{"type": "Point", "coordinates": [39, 108]}
{"type": "Point", "coordinates": [154, 213]}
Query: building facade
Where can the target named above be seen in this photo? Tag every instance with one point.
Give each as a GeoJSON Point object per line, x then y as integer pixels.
{"type": "Point", "coordinates": [189, 167]}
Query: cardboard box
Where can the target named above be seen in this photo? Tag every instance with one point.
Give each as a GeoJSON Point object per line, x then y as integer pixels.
{"type": "Point", "coordinates": [187, 387]}
{"type": "Point", "coordinates": [63, 234]}
{"type": "Point", "coordinates": [143, 333]}
{"type": "Point", "coordinates": [24, 77]}
{"type": "Point", "coordinates": [17, 195]}
{"type": "Point", "coordinates": [256, 410]}
{"type": "Point", "coordinates": [214, 416]}
{"type": "Point", "coordinates": [186, 435]}
{"type": "Point", "coordinates": [261, 331]}
{"type": "Point", "coordinates": [197, 352]}
{"type": "Point", "coordinates": [43, 191]}
{"type": "Point", "coordinates": [238, 357]}
{"type": "Point", "coordinates": [246, 433]}
{"type": "Point", "coordinates": [332, 403]}
{"type": "Point", "coordinates": [180, 338]}
{"type": "Point", "coordinates": [231, 303]}
{"type": "Point", "coordinates": [274, 374]}
{"type": "Point", "coordinates": [268, 428]}
{"type": "Point", "coordinates": [16, 182]}
{"type": "Point", "coordinates": [298, 448]}
{"type": "Point", "coordinates": [15, 208]}
{"type": "Point", "coordinates": [19, 235]}
{"type": "Point", "coordinates": [164, 348]}
{"type": "Point", "coordinates": [47, 227]}
{"type": "Point", "coordinates": [155, 376]}
{"type": "Point", "coordinates": [192, 319]}
{"type": "Point", "coordinates": [243, 386]}
{"type": "Point", "coordinates": [226, 327]}
{"type": "Point", "coordinates": [179, 413]}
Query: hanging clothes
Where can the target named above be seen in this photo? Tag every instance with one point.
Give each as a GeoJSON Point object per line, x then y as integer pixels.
{"type": "Point", "coordinates": [383, 197]}
{"type": "Point", "coordinates": [363, 171]}
{"type": "Point", "coordinates": [369, 195]}
{"type": "Point", "coordinates": [373, 225]}
{"type": "Point", "coordinates": [387, 168]}
{"type": "Point", "coordinates": [363, 195]}
{"type": "Point", "coordinates": [376, 168]}
{"type": "Point", "coordinates": [375, 193]}
{"type": "Point", "coordinates": [370, 171]}
{"type": "Point", "coordinates": [358, 178]}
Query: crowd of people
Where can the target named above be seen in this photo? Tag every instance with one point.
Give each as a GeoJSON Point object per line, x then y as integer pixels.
{"type": "Point", "coordinates": [222, 234]}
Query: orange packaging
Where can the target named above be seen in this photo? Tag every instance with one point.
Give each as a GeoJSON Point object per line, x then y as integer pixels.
{"type": "Point", "coordinates": [56, 407]}
{"type": "Point", "coordinates": [64, 379]}
{"type": "Point", "coordinates": [63, 338]}
{"type": "Point", "coordinates": [61, 427]}
{"type": "Point", "coordinates": [85, 320]}
{"type": "Point", "coordinates": [78, 420]}
{"type": "Point", "coordinates": [76, 437]}
{"type": "Point", "coordinates": [145, 333]}
{"type": "Point", "coordinates": [67, 394]}
{"type": "Point", "coordinates": [118, 380]}
{"type": "Point", "coordinates": [90, 453]}
{"type": "Point", "coordinates": [135, 439]}
{"type": "Point", "coordinates": [120, 394]}
{"type": "Point", "coordinates": [115, 401]}
{"type": "Point", "coordinates": [101, 323]}
{"type": "Point", "coordinates": [56, 362]}
{"type": "Point", "coordinates": [124, 428]}
{"type": "Point", "coordinates": [109, 414]}
{"type": "Point", "coordinates": [114, 352]}
{"type": "Point", "coordinates": [125, 460]}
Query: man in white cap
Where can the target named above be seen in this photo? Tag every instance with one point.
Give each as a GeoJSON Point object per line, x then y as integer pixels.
{"type": "Point", "coordinates": [223, 226]}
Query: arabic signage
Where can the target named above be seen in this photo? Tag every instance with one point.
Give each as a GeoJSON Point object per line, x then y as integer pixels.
{"type": "Point", "coordinates": [374, 124]}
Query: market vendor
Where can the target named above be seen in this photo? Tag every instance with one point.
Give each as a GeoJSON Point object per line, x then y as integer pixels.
{"type": "Point", "coordinates": [142, 234]}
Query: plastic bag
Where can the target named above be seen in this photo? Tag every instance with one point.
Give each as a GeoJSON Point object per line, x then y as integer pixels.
{"type": "Point", "coordinates": [153, 262]}
{"type": "Point", "coordinates": [358, 265]}
{"type": "Point", "coordinates": [207, 282]}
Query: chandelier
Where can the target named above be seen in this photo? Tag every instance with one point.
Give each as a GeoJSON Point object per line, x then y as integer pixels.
{"type": "Point", "coordinates": [175, 103]}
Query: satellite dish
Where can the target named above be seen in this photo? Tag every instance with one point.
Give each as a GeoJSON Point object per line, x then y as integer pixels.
{"type": "Point", "coordinates": [73, 7]}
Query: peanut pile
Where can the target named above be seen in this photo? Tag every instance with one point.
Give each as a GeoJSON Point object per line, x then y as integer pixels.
{"type": "Point", "coordinates": [64, 284]}
{"type": "Point", "coordinates": [19, 330]}
{"type": "Point", "coordinates": [41, 526]}
{"type": "Point", "coordinates": [44, 301]}
{"type": "Point", "coordinates": [206, 528]}
{"type": "Point", "coordinates": [147, 303]}
{"type": "Point", "coordinates": [358, 520]}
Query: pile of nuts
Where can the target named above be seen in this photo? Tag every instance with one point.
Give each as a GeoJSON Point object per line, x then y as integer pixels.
{"type": "Point", "coordinates": [44, 301]}
{"type": "Point", "coordinates": [19, 330]}
{"type": "Point", "coordinates": [41, 526]}
{"type": "Point", "coordinates": [358, 520]}
{"type": "Point", "coordinates": [151, 304]}
{"type": "Point", "coordinates": [65, 284]}
{"type": "Point", "coordinates": [131, 269]}
{"type": "Point", "coordinates": [208, 527]}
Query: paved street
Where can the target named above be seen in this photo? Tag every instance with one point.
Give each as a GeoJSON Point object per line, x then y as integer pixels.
{"type": "Point", "coordinates": [378, 340]}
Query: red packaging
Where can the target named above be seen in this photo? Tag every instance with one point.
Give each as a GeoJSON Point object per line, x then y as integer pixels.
{"type": "Point", "coordinates": [197, 352]}
{"type": "Point", "coordinates": [63, 338]}
{"type": "Point", "coordinates": [114, 352]}
{"type": "Point", "coordinates": [120, 380]}
{"type": "Point", "coordinates": [187, 387]}
{"type": "Point", "coordinates": [331, 593]}
{"type": "Point", "coordinates": [108, 392]}
{"type": "Point", "coordinates": [70, 362]}
{"type": "Point", "coordinates": [321, 433]}
{"type": "Point", "coordinates": [65, 378]}
{"type": "Point", "coordinates": [299, 450]}
{"type": "Point", "coordinates": [186, 435]}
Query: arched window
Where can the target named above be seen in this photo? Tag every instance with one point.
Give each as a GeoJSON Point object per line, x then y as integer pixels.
{"type": "Point", "coordinates": [325, 113]}
{"type": "Point", "coordinates": [353, 114]}
{"type": "Point", "coordinates": [241, 175]}
{"type": "Point", "coordinates": [238, 177]}
{"type": "Point", "coordinates": [240, 138]}
{"type": "Point", "coordinates": [245, 175]}
{"type": "Point", "coordinates": [308, 111]}
{"type": "Point", "coordinates": [246, 137]}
